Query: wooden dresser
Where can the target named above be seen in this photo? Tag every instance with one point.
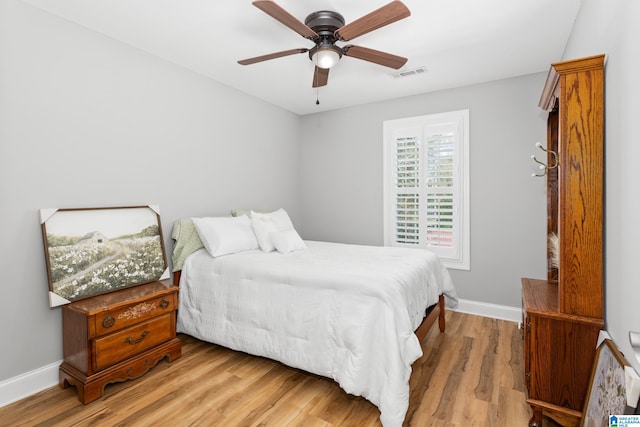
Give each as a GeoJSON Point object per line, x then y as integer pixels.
{"type": "Point", "coordinates": [118, 336]}
{"type": "Point", "coordinates": [563, 314]}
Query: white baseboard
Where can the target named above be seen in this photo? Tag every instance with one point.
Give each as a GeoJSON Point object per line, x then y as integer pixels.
{"type": "Point", "coordinates": [502, 312]}
{"type": "Point", "coordinates": [29, 383]}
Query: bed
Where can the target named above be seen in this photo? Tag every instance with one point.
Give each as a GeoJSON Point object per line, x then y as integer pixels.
{"type": "Point", "coordinates": [352, 313]}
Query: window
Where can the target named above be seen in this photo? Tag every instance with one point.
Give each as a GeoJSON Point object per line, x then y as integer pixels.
{"type": "Point", "coordinates": [426, 185]}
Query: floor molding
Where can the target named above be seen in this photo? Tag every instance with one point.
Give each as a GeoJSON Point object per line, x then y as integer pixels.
{"type": "Point", "coordinates": [502, 312]}
{"type": "Point", "coordinates": [32, 382]}
{"type": "Point", "coordinates": [29, 383]}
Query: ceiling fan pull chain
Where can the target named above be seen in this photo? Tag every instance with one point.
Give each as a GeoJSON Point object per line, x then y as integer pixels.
{"type": "Point", "coordinates": [315, 76]}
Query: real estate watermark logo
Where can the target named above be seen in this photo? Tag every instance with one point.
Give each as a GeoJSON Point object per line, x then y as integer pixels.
{"type": "Point", "coordinates": [624, 420]}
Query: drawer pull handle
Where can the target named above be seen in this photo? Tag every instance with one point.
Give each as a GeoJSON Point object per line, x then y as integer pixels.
{"type": "Point", "coordinates": [108, 322]}
{"type": "Point", "coordinates": [164, 303]}
{"type": "Point", "coordinates": [131, 341]}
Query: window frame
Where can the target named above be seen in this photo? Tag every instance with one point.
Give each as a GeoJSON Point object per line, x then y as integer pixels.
{"type": "Point", "coordinates": [459, 256]}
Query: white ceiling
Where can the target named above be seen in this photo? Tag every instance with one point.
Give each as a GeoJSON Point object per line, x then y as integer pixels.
{"type": "Point", "coordinates": [460, 42]}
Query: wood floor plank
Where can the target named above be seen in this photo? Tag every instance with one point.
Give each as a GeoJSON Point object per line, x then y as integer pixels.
{"type": "Point", "coordinates": [472, 375]}
{"type": "Point", "coordinates": [486, 381]}
{"type": "Point", "coordinates": [454, 381]}
{"type": "Point", "coordinates": [266, 392]}
{"type": "Point", "coordinates": [516, 362]}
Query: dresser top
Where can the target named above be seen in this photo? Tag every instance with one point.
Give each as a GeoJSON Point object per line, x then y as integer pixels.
{"type": "Point", "coordinates": [123, 296]}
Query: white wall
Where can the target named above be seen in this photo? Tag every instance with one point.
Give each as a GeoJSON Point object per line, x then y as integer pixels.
{"type": "Point", "coordinates": [612, 28]}
{"type": "Point", "coordinates": [88, 121]}
{"type": "Point", "coordinates": [341, 179]}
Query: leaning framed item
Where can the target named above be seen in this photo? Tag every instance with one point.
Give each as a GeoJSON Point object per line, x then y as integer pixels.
{"type": "Point", "coordinates": [94, 251]}
{"type": "Point", "coordinates": [607, 390]}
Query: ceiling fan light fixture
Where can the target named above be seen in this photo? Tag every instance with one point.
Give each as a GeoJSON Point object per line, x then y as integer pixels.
{"type": "Point", "coordinates": [325, 55]}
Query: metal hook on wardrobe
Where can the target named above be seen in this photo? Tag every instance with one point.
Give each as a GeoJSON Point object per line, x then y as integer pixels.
{"type": "Point", "coordinates": [543, 166]}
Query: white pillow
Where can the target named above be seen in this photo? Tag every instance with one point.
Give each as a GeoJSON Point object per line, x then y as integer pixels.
{"type": "Point", "coordinates": [226, 235]}
{"type": "Point", "coordinates": [287, 241]}
{"type": "Point", "coordinates": [266, 223]}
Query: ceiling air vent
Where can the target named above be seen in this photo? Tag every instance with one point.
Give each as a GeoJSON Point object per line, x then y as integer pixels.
{"type": "Point", "coordinates": [409, 72]}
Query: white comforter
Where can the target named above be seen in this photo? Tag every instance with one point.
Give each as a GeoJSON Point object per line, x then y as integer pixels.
{"type": "Point", "coordinates": [346, 312]}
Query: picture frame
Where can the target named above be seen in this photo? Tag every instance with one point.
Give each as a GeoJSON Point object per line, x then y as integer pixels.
{"type": "Point", "coordinates": [607, 394]}
{"type": "Point", "coordinates": [93, 251]}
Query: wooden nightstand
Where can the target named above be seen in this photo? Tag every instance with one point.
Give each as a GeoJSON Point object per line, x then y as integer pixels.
{"type": "Point", "coordinates": [118, 336]}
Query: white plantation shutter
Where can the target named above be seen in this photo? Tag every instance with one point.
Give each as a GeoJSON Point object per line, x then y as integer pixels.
{"type": "Point", "coordinates": [408, 218]}
{"type": "Point", "coordinates": [440, 192]}
{"type": "Point", "coordinates": [407, 182]}
{"type": "Point", "coordinates": [426, 185]}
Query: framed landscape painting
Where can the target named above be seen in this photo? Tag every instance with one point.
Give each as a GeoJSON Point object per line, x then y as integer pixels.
{"type": "Point", "coordinates": [99, 250]}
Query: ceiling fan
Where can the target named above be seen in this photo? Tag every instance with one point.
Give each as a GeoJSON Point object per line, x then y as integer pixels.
{"type": "Point", "coordinates": [325, 28]}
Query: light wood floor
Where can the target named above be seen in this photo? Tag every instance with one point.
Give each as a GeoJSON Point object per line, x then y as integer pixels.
{"type": "Point", "coordinates": [472, 375]}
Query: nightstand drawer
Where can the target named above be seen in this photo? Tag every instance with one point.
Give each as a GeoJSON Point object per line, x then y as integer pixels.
{"type": "Point", "coordinates": [117, 347]}
{"type": "Point", "coordinates": [116, 319]}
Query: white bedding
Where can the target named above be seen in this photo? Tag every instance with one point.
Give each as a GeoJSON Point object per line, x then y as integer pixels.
{"type": "Point", "coordinates": [346, 312]}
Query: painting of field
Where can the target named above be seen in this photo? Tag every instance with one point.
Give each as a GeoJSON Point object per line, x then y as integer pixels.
{"type": "Point", "coordinates": [95, 251]}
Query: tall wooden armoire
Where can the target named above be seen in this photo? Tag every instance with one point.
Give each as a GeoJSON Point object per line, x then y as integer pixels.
{"type": "Point", "coordinates": [564, 313]}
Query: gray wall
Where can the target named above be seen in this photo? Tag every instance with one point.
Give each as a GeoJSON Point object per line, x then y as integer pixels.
{"type": "Point", "coordinates": [89, 121]}
{"type": "Point", "coordinates": [612, 28]}
{"type": "Point", "coordinates": [341, 179]}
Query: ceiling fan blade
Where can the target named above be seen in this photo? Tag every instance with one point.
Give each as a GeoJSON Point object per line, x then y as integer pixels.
{"type": "Point", "coordinates": [375, 56]}
{"type": "Point", "coordinates": [320, 77]}
{"type": "Point", "coordinates": [272, 9]}
{"type": "Point", "coordinates": [272, 56]}
{"type": "Point", "coordinates": [385, 15]}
